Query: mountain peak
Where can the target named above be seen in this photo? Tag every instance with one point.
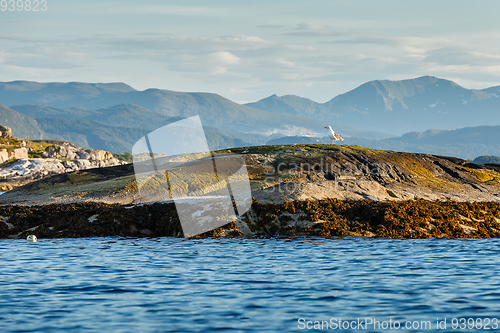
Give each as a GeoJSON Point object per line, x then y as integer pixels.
{"type": "Point", "coordinates": [415, 82]}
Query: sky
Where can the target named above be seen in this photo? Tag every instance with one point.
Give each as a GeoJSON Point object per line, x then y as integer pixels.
{"type": "Point", "coordinates": [249, 50]}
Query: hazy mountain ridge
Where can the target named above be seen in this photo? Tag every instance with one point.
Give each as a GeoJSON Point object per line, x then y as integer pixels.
{"type": "Point", "coordinates": [95, 130]}
{"type": "Point", "coordinates": [398, 107]}
{"type": "Point", "coordinates": [467, 143]}
{"type": "Point", "coordinates": [22, 126]}
{"type": "Point", "coordinates": [126, 123]}
{"type": "Point", "coordinates": [290, 104]}
{"type": "Point", "coordinates": [214, 110]}
{"type": "Point", "coordinates": [478, 134]}
{"type": "Point", "coordinates": [391, 106]}
{"type": "Point", "coordinates": [123, 115]}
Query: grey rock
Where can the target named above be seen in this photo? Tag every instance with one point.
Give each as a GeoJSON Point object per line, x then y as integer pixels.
{"type": "Point", "coordinates": [26, 169]}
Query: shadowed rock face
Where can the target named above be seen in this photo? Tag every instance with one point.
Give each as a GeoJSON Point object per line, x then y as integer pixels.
{"type": "Point", "coordinates": [322, 190]}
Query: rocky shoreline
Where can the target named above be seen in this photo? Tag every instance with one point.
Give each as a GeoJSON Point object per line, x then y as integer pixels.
{"type": "Point", "coordinates": [299, 190]}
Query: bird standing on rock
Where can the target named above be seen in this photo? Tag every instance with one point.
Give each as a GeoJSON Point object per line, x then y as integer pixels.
{"type": "Point", "coordinates": [334, 136]}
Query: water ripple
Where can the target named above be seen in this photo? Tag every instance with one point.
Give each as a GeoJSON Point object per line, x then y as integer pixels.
{"type": "Point", "coordinates": [243, 285]}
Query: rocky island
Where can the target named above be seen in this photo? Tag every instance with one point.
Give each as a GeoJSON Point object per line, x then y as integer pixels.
{"type": "Point", "coordinates": [298, 190]}
{"type": "Point", "coordinates": [24, 161]}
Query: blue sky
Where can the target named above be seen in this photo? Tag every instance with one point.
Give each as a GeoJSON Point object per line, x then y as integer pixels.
{"type": "Point", "coordinates": [246, 51]}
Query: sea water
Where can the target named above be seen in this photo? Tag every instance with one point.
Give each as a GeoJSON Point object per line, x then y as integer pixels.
{"type": "Point", "coordinates": [248, 285]}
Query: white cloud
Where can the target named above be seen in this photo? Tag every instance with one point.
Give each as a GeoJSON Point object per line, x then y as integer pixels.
{"type": "Point", "coordinates": [285, 63]}
{"type": "Point", "coordinates": [223, 58]}
{"type": "Point", "coordinates": [219, 62]}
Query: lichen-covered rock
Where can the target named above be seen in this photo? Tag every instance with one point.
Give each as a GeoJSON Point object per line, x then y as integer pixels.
{"type": "Point", "coordinates": [298, 173]}
{"type": "Point", "coordinates": [101, 155]}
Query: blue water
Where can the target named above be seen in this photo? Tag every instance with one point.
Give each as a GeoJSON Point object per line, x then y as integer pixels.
{"type": "Point", "coordinates": [242, 285]}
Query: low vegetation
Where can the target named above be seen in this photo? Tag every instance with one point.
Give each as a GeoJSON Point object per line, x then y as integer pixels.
{"type": "Point", "coordinates": [125, 157]}
{"type": "Point", "coordinates": [485, 159]}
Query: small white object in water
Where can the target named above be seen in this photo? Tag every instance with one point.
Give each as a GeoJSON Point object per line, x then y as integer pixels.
{"type": "Point", "coordinates": [31, 238]}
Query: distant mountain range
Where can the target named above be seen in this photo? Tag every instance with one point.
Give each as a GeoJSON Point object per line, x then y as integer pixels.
{"type": "Point", "coordinates": [95, 129]}
{"type": "Point", "coordinates": [23, 126]}
{"type": "Point", "coordinates": [116, 128]}
{"type": "Point", "coordinates": [397, 107]}
{"type": "Point", "coordinates": [214, 110]}
{"type": "Point", "coordinates": [123, 115]}
{"type": "Point", "coordinates": [113, 116]}
{"type": "Point", "coordinates": [382, 106]}
{"type": "Point", "coordinates": [466, 143]}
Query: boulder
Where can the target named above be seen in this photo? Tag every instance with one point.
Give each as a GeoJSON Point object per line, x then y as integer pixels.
{"type": "Point", "coordinates": [5, 132]}
{"type": "Point", "coordinates": [4, 155]}
{"type": "Point", "coordinates": [67, 153]}
{"type": "Point", "coordinates": [84, 154]}
{"type": "Point", "coordinates": [83, 164]}
{"type": "Point", "coordinates": [50, 152]}
{"type": "Point", "coordinates": [101, 155]}
{"type": "Point", "coordinates": [20, 153]}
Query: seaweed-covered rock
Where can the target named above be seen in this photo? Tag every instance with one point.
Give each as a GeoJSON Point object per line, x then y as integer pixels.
{"type": "Point", "coordinates": [329, 217]}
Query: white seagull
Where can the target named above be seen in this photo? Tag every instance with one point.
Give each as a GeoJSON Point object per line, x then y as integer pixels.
{"type": "Point", "coordinates": [334, 136]}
